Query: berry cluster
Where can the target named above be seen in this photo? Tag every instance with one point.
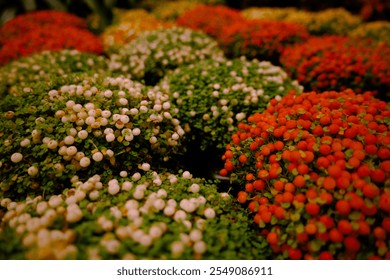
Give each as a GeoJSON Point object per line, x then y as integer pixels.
{"type": "Point", "coordinates": [35, 32]}
{"type": "Point", "coordinates": [314, 170]}
{"type": "Point", "coordinates": [337, 63]}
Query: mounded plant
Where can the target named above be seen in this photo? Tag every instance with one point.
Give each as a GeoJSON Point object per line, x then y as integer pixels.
{"type": "Point", "coordinates": [46, 65]}
{"type": "Point", "coordinates": [171, 10]}
{"type": "Point", "coordinates": [95, 125]}
{"type": "Point", "coordinates": [378, 31]}
{"type": "Point", "coordinates": [153, 53]}
{"type": "Point", "coordinates": [142, 215]}
{"type": "Point", "coordinates": [129, 25]}
{"type": "Point", "coordinates": [209, 19]}
{"type": "Point", "coordinates": [39, 31]}
{"type": "Point", "coordinates": [262, 39]}
{"type": "Point", "coordinates": [337, 63]}
{"type": "Point", "coordinates": [336, 21]}
{"type": "Point", "coordinates": [314, 172]}
{"type": "Point", "coordinates": [214, 95]}
{"type": "Point", "coordinates": [49, 39]}
{"type": "Point", "coordinates": [267, 13]}
{"type": "Point", "coordinates": [26, 23]}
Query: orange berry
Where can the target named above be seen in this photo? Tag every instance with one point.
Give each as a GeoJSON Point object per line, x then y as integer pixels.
{"type": "Point", "coordinates": [249, 187]}
{"type": "Point", "coordinates": [343, 207]}
{"type": "Point", "coordinates": [223, 172]}
{"type": "Point", "coordinates": [311, 229]}
{"type": "Point", "coordinates": [312, 208]}
{"type": "Point", "coordinates": [379, 233]}
{"type": "Point", "coordinates": [364, 228]}
{"type": "Point", "coordinates": [242, 197]}
{"type": "Point", "coordinates": [289, 187]}
{"type": "Point", "coordinates": [370, 191]}
{"type": "Point", "coordinates": [334, 171]}
{"type": "Point", "coordinates": [384, 202]}
{"type": "Point", "coordinates": [354, 162]}
{"type": "Point", "coordinates": [344, 226]}
{"type": "Point", "coordinates": [329, 183]}
{"type": "Point", "coordinates": [272, 238]}
{"type": "Point", "coordinates": [288, 197]}
{"type": "Point", "coordinates": [266, 216]}
{"type": "Point", "coordinates": [249, 177]}
{"type": "Point", "coordinates": [303, 169]}
{"type": "Point", "coordinates": [242, 158]}
{"type": "Point", "coordinates": [279, 212]}
{"type": "Point", "coordinates": [351, 244]}
{"type": "Point", "coordinates": [335, 235]}
{"type": "Point", "coordinates": [299, 181]}
{"type": "Point", "coordinates": [279, 185]}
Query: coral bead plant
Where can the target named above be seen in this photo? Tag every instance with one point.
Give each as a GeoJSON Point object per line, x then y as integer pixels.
{"type": "Point", "coordinates": [48, 38]}
{"type": "Point", "coordinates": [336, 63]}
{"type": "Point", "coordinates": [99, 124]}
{"type": "Point", "coordinates": [39, 31]}
{"type": "Point", "coordinates": [199, 19]}
{"type": "Point", "coordinates": [262, 39]}
{"type": "Point", "coordinates": [145, 215]}
{"type": "Point", "coordinates": [313, 170]}
{"type": "Point", "coordinates": [26, 23]}
{"type": "Point", "coordinates": [153, 53]}
{"type": "Point", "coordinates": [213, 95]}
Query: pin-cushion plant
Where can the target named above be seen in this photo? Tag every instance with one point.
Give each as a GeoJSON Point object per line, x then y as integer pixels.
{"type": "Point", "coordinates": [213, 95]}
{"type": "Point", "coordinates": [262, 39]}
{"type": "Point", "coordinates": [337, 63]}
{"type": "Point", "coordinates": [314, 172]}
{"type": "Point", "coordinates": [153, 53]}
{"type": "Point", "coordinates": [48, 64]}
{"type": "Point", "coordinates": [27, 22]}
{"type": "Point", "coordinates": [39, 31]}
{"type": "Point", "coordinates": [96, 125]}
{"type": "Point", "coordinates": [49, 38]}
{"type": "Point", "coordinates": [142, 215]}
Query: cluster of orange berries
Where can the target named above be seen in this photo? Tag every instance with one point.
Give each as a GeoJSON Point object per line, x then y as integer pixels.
{"type": "Point", "coordinates": [314, 171]}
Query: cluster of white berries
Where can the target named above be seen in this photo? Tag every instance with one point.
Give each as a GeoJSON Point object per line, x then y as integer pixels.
{"type": "Point", "coordinates": [171, 46]}
{"type": "Point", "coordinates": [218, 94]}
{"type": "Point", "coordinates": [107, 120]}
{"type": "Point", "coordinates": [144, 197]}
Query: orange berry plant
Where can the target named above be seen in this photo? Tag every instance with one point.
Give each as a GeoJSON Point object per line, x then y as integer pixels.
{"type": "Point", "coordinates": [317, 179]}
{"type": "Point", "coordinates": [262, 39]}
{"type": "Point", "coordinates": [337, 63]}
{"type": "Point", "coordinates": [210, 19]}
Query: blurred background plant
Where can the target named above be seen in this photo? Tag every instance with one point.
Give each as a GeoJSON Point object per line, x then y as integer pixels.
{"type": "Point", "coordinates": [102, 11]}
{"type": "Point", "coordinates": [378, 31]}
